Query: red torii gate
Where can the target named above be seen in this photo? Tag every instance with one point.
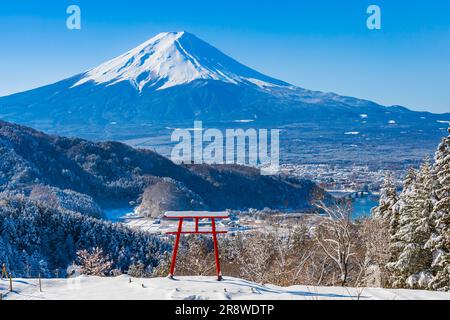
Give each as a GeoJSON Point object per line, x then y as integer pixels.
{"type": "Point", "coordinates": [196, 216]}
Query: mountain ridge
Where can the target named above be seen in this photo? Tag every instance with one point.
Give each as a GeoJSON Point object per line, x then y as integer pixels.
{"type": "Point", "coordinates": [154, 96]}
{"type": "Point", "coordinates": [178, 78]}
{"type": "Point", "coordinates": [113, 174]}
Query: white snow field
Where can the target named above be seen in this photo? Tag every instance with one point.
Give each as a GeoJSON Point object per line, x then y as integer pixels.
{"type": "Point", "coordinates": [194, 288]}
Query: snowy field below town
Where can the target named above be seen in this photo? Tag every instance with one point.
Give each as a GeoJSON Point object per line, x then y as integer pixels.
{"type": "Point", "coordinates": [193, 288]}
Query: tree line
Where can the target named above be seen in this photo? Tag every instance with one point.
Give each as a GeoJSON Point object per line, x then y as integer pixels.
{"type": "Point", "coordinates": [418, 224]}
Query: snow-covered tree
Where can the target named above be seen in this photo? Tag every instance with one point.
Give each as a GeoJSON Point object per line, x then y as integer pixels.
{"type": "Point", "coordinates": [336, 235]}
{"type": "Point", "coordinates": [38, 266]}
{"type": "Point", "coordinates": [257, 257]}
{"type": "Point", "coordinates": [93, 263]}
{"type": "Point", "coordinates": [411, 267]}
{"type": "Point", "coordinates": [375, 240]}
{"type": "Point", "coordinates": [138, 270]}
{"type": "Point", "coordinates": [36, 238]}
{"type": "Point", "coordinates": [395, 246]}
{"type": "Point", "coordinates": [388, 198]}
{"type": "Point", "coordinates": [440, 239]}
{"type": "Point", "coordinates": [386, 212]}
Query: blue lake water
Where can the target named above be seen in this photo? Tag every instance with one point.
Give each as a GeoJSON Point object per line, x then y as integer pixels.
{"type": "Point", "coordinates": [362, 207]}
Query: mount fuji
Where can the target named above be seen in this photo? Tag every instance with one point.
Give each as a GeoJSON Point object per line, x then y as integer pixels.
{"type": "Point", "coordinates": [172, 59]}
{"type": "Point", "coordinates": [176, 77]}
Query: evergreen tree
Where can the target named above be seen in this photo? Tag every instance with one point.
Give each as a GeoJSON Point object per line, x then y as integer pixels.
{"type": "Point", "coordinates": [396, 245]}
{"type": "Point", "coordinates": [386, 218]}
{"type": "Point", "coordinates": [37, 239]}
{"type": "Point", "coordinates": [440, 239]}
{"type": "Point", "coordinates": [411, 268]}
{"type": "Point", "coordinates": [388, 198]}
{"type": "Point", "coordinates": [38, 266]}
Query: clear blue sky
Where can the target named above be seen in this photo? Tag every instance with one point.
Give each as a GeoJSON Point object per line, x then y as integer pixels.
{"type": "Point", "coordinates": [321, 44]}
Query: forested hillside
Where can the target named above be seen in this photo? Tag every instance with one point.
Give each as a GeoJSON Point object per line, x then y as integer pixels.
{"type": "Point", "coordinates": [38, 239]}
{"type": "Point", "coordinates": [113, 173]}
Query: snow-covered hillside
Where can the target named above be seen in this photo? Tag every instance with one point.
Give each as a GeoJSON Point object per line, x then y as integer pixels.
{"type": "Point", "coordinates": [190, 288]}
{"type": "Point", "coordinates": [174, 58]}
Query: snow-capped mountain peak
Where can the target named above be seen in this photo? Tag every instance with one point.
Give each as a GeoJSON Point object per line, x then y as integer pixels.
{"type": "Point", "coordinates": [174, 58]}
{"type": "Point", "coordinates": [175, 76]}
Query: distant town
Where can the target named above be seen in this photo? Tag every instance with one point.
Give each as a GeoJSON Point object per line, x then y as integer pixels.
{"type": "Point", "coordinates": [343, 178]}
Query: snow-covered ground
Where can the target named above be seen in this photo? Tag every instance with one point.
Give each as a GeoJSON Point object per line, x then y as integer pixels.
{"type": "Point", "coordinates": [188, 288]}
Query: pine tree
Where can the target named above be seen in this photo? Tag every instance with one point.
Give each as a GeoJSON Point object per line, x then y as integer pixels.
{"type": "Point", "coordinates": [411, 268]}
{"type": "Point", "coordinates": [38, 266]}
{"type": "Point", "coordinates": [440, 239]}
{"type": "Point", "coordinates": [396, 245]}
{"type": "Point", "coordinates": [388, 198]}
{"type": "Point", "coordinates": [386, 210]}
{"type": "Point", "coordinates": [385, 219]}
{"type": "Point", "coordinates": [36, 237]}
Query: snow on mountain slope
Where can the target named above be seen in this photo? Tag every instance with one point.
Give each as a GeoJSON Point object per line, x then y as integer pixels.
{"type": "Point", "coordinates": [177, 77]}
{"type": "Point", "coordinates": [174, 58]}
{"type": "Point", "coordinates": [194, 288]}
